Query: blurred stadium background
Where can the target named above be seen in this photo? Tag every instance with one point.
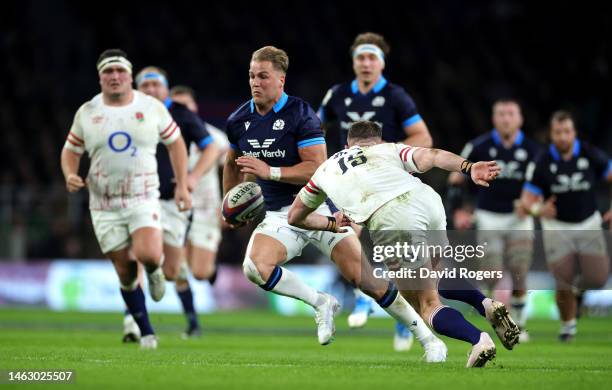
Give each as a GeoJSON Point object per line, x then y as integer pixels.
{"type": "Point", "coordinates": [453, 57]}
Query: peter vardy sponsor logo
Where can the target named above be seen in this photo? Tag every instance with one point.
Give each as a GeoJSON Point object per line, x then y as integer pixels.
{"type": "Point", "coordinates": [267, 153]}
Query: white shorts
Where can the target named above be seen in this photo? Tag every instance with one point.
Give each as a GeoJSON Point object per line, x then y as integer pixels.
{"type": "Point", "coordinates": [564, 238]}
{"type": "Point", "coordinates": [417, 216]}
{"type": "Point", "coordinates": [295, 239]}
{"type": "Point", "coordinates": [497, 228]}
{"type": "Point", "coordinates": [174, 223]}
{"type": "Point", "coordinates": [205, 229]}
{"type": "Point", "coordinates": [114, 228]}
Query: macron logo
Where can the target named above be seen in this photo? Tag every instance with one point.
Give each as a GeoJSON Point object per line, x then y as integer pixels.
{"type": "Point", "coordinates": [246, 125]}
{"type": "Point", "coordinates": [256, 145]}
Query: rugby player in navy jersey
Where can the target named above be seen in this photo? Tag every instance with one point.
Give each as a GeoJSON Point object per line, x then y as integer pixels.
{"type": "Point", "coordinates": [278, 139]}
{"type": "Point", "coordinates": [371, 97]}
{"type": "Point", "coordinates": [507, 230]}
{"type": "Point", "coordinates": [154, 82]}
{"type": "Point", "coordinates": [561, 191]}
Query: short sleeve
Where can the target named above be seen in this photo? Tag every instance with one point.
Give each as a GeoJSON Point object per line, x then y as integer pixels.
{"type": "Point", "coordinates": [169, 131]}
{"type": "Point", "coordinates": [309, 132]}
{"type": "Point", "coordinates": [600, 161]}
{"type": "Point", "coordinates": [406, 109]}
{"type": "Point", "coordinates": [194, 130]}
{"type": "Point", "coordinates": [405, 154]}
{"type": "Point", "coordinates": [535, 181]}
{"type": "Point", "coordinates": [75, 141]}
{"type": "Point", "coordinates": [311, 194]}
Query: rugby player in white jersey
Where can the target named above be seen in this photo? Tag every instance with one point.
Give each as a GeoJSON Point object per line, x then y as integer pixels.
{"type": "Point", "coordinates": [294, 148]}
{"type": "Point", "coordinates": [120, 129]}
{"type": "Point", "coordinates": [372, 185]}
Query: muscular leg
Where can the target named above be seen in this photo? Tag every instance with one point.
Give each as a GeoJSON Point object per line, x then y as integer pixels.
{"type": "Point", "coordinates": [132, 294]}
{"type": "Point", "coordinates": [147, 247]}
{"type": "Point", "coordinates": [348, 258]}
{"type": "Point", "coordinates": [261, 266]}
{"type": "Point", "coordinates": [564, 270]}
{"type": "Point", "coordinates": [519, 254]}
{"type": "Point", "coordinates": [201, 261]}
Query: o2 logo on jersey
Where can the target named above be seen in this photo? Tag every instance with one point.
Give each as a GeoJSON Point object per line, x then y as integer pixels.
{"type": "Point", "coordinates": [571, 183]}
{"type": "Point", "coordinates": [120, 141]}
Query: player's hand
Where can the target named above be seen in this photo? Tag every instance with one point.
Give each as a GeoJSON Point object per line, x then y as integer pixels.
{"type": "Point", "coordinates": [483, 172]}
{"type": "Point", "coordinates": [74, 182]}
{"type": "Point", "coordinates": [462, 219]}
{"type": "Point", "coordinates": [549, 210]}
{"type": "Point", "coordinates": [233, 225]}
{"type": "Point", "coordinates": [254, 166]}
{"type": "Point", "coordinates": [342, 221]}
{"type": "Point", "coordinates": [192, 182]}
{"type": "Point", "coordinates": [182, 197]}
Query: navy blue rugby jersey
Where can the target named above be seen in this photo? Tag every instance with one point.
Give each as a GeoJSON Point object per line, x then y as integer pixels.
{"type": "Point", "coordinates": [572, 181]}
{"type": "Point", "coordinates": [386, 104]}
{"type": "Point", "coordinates": [275, 138]}
{"type": "Point", "coordinates": [192, 130]}
{"type": "Point", "coordinates": [500, 196]}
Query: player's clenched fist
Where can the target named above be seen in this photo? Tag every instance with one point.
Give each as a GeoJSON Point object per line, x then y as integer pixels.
{"type": "Point", "coordinates": [182, 197]}
{"type": "Point", "coordinates": [74, 182]}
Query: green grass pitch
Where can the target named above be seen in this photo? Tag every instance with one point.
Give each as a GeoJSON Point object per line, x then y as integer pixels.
{"type": "Point", "coordinates": [261, 350]}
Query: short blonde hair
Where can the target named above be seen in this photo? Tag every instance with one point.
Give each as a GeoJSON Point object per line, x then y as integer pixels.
{"type": "Point", "coordinates": [278, 57]}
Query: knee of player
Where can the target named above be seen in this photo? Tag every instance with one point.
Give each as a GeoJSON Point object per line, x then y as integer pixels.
{"type": "Point", "coordinates": [596, 281]}
{"type": "Point", "coordinates": [202, 274]}
{"type": "Point", "coordinates": [251, 271]}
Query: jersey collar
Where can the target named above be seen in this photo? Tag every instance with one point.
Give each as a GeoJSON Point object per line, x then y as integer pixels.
{"type": "Point", "coordinates": [555, 153]}
{"type": "Point", "coordinates": [380, 84]}
{"type": "Point", "coordinates": [517, 141]}
{"type": "Point", "coordinates": [277, 106]}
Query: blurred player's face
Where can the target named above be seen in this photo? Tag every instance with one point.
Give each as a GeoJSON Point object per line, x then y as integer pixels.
{"type": "Point", "coordinates": [154, 88]}
{"type": "Point", "coordinates": [507, 118]}
{"type": "Point", "coordinates": [563, 135]}
{"type": "Point", "coordinates": [115, 81]}
{"type": "Point", "coordinates": [367, 67]}
{"type": "Point", "coordinates": [187, 100]}
{"type": "Point", "coordinates": [266, 82]}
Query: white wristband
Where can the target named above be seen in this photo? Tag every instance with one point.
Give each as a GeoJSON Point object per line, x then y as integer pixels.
{"type": "Point", "coordinates": [275, 173]}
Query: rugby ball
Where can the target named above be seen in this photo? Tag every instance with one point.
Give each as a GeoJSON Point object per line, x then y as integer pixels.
{"type": "Point", "coordinates": [243, 203]}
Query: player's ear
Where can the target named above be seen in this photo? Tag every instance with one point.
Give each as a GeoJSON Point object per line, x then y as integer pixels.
{"type": "Point", "coordinates": [282, 80]}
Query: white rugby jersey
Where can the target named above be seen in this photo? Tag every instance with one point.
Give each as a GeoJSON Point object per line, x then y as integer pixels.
{"type": "Point", "coordinates": [207, 194]}
{"type": "Point", "coordinates": [121, 143]}
{"type": "Point", "coordinates": [360, 180]}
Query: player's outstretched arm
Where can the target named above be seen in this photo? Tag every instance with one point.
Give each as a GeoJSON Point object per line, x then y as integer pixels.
{"type": "Point", "coordinates": [70, 162]}
{"type": "Point", "coordinates": [178, 157]}
{"type": "Point", "coordinates": [311, 156]}
{"type": "Point", "coordinates": [304, 217]}
{"type": "Point", "coordinates": [481, 172]}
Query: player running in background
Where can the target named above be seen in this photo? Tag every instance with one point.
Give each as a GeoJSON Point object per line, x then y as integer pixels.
{"type": "Point", "coordinates": [507, 230]}
{"type": "Point", "coordinates": [561, 191]}
{"type": "Point", "coordinates": [371, 97]}
{"type": "Point", "coordinates": [154, 82]}
{"type": "Point", "coordinates": [120, 129]}
{"type": "Point", "coordinates": [398, 208]}
{"type": "Point", "coordinates": [278, 139]}
{"type": "Point", "coordinates": [204, 234]}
